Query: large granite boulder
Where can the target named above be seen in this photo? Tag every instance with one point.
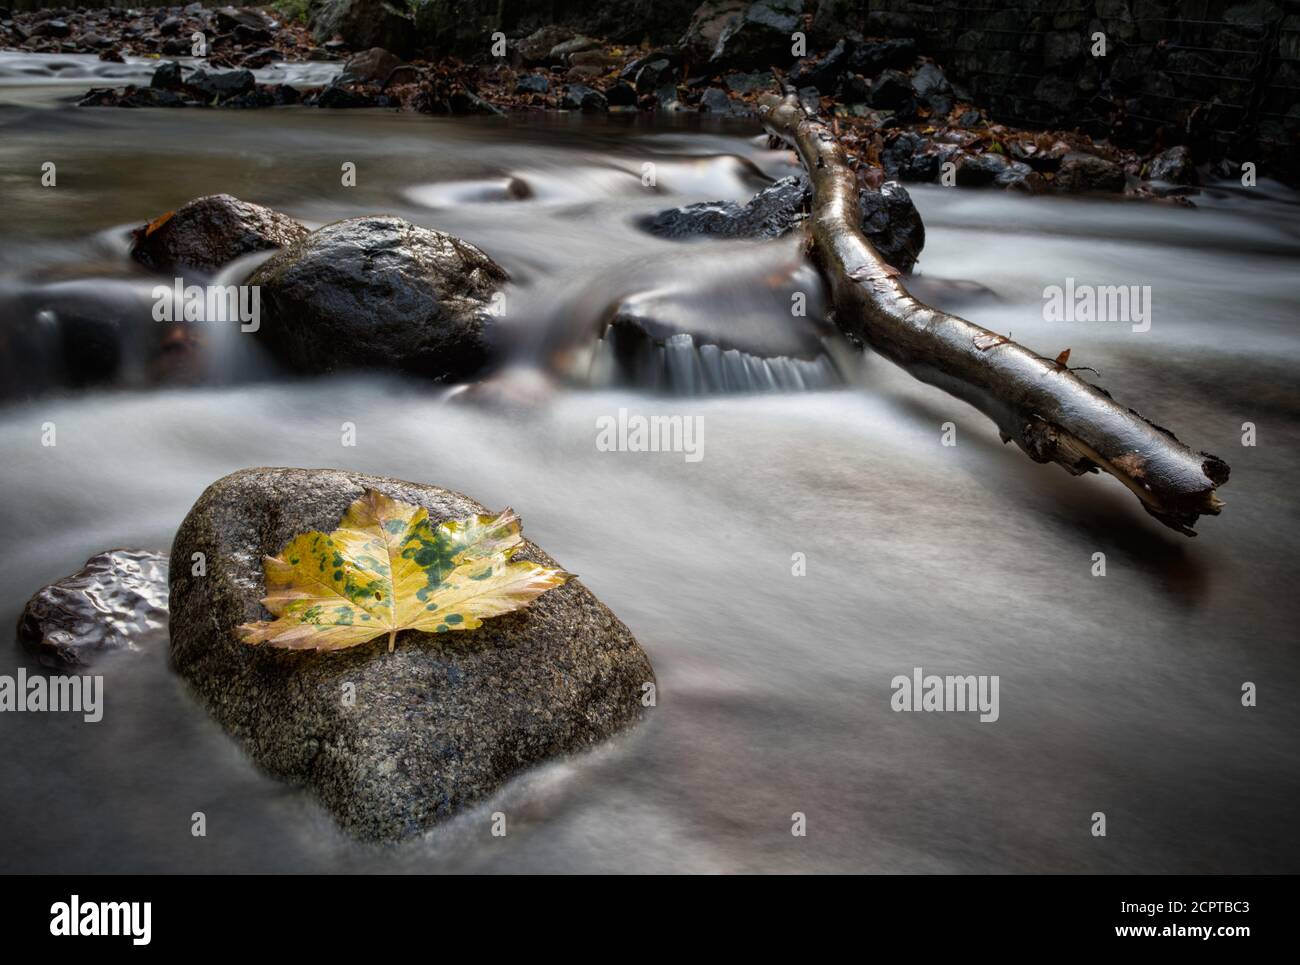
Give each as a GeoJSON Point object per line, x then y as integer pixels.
{"type": "Point", "coordinates": [438, 723]}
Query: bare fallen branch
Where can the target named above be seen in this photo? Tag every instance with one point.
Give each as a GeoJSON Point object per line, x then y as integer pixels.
{"type": "Point", "coordinates": [1050, 413]}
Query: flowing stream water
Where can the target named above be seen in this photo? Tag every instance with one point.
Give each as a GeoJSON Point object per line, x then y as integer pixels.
{"type": "Point", "coordinates": [1119, 694]}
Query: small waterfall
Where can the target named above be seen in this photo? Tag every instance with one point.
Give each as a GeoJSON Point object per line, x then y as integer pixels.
{"type": "Point", "coordinates": [680, 368]}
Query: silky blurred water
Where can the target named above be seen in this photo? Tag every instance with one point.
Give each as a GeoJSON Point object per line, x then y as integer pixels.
{"type": "Point", "coordinates": [1119, 694]}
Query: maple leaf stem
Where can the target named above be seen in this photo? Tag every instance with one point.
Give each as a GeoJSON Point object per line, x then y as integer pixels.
{"type": "Point", "coordinates": [392, 639]}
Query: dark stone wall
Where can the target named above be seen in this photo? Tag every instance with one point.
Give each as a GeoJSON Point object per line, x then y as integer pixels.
{"type": "Point", "coordinates": [1220, 76]}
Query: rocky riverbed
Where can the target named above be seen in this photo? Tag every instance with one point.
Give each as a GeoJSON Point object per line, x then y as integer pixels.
{"type": "Point", "coordinates": [824, 541]}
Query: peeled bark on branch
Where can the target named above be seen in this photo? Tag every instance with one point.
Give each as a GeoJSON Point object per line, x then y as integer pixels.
{"type": "Point", "coordinates": [1050, 413]}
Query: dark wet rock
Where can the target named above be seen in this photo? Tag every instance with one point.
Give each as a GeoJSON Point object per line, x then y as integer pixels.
{"type": "Point", "coordinates": [167, 76]}
{"type": "Point", "coordinates": [379, 292]}
{"type": "Point", "coordinates": [100, 97]}
{"type": "Point", "coordinates": [760, 36]}
{"type": "Point", "coordinates": [654, 74]}
{"type": "Point", "coordinates": [52, 28]}
{"type": "Point", "coordinates": [247, 36]}
{"type": "Point", "coordinates": [824, 73]}
{"type": "Point", "coordinates": [707, 24]}
{"type": "Point", "coordinates": [891, 222]}
{"type": "Point", "coordinates": [980, 170]}
{"type": "Point", "coordinates": [774, 211]}
{"type": "Point", "coordinates": [370, 67]}
{"type": "Point", "coordinates": [892, 91]}
{"type": "Point", "coordinates": [672, 55]}
{"type": "Point", "coordinates": [338, 97]}
{"type": "Point", "coordinates": [579, 97]}
{"type": "Point", "coordinates": [621, 94]}
{"type": "Point", "coordinates": [909, 157]}
{"type": "Point", "coordinates": [117, 601]}
{"type": "Point", "coordinates": [997, 170]}
{"type": "Point", "coordinates": [562, 53]}
{"type": "Point", "coordinates": [283, 95]}
{"type": "Point", "coordinates": [1174, 166]}
{"type": "Point", "coordinates": [253, 100]}
{"type": "Point", "coordinates": [666, 98]}
{"type": "Point", "coordinates": [932, 88]}
{"type": "Point", "coordinates": [872, 56]}
{"type": "Point", "coordinates": [532, 84]}
{"type": "Point", "coordinates": [715, 101]}
{"type": "Point", "coordinates": [363, 24]}
{"type": "Point", "coordinates": [261, 58]}
{"type": "Point", "coordinates": [436, 725]}
{"type": "Point", "coordinates": [208, 84]}
{"type": "Point", "coordinates": [175, 47]}
{"type": "Point", "coordinates": [854, 89]}
{"type": "Point", "coordinates": [740, 83]}
{"type": "Point", "coordinates": [209, 232]}
{"type": "Point", "coordinates": [1087, 172]}
{"type": "Point", "coordinates": [535, 49]}
{"type": "Point", "coordinates": [595, 61]}
{"type": "Point", "coordinates": [231, 18]}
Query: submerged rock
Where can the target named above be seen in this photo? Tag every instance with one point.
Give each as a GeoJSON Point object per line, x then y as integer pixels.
{"type": "Point", "coordinates": [379, 292]}
{"type": "Point", "coordinates": [437, 724]}
{"type": "Point", "coordinates": [774, 211]}
{"type": "Point", "coordinates": [209, 232]}
{"type": "Point", "coordinates": [117, 601]}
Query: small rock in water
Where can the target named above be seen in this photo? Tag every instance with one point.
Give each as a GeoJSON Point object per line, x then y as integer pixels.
{"type": "Point", "coordinates": [210, 232]}
{"type": "Point", "coordinates": [167, 76]}
{"type": "Point", "coordinates": [585, 99]}
{"type": "Point", "coordinates": [436, 725]}
{"type": "Point", "coordinates": [220, 84]}
{"type": "Point", "coordinates": [777, 209]}
{"type": "Point", "coordinates": [117, 601]}
{"type": "Point", "coordinates": [1174, 165]}
{"type": "Point", "coordinates": [621, 94]}
{"type": "Point", "coordinates": [382, 293]}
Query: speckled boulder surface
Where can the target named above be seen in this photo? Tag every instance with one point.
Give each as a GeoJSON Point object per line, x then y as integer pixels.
{"type": "Point", "coordinates": [437, 724]}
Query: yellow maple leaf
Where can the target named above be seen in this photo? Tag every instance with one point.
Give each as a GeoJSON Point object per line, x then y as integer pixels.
{"type": "Point", "coordinates": [387, 568]}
